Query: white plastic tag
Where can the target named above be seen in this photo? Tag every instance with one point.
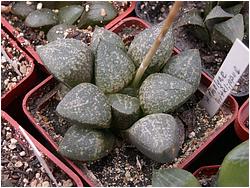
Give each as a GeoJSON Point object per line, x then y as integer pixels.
{"type": "Point", "coordinates": [229, 73]}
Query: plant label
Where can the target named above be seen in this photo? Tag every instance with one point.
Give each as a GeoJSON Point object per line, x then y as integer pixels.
{"type": "Point", "coordinates": [229, 73]}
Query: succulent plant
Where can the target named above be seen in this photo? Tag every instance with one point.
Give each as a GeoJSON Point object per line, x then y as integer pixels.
{"type": "Point", "coordinates": [58, 32]}
{"type": "Point", "coordinates": [101, 33]}
{"type": "Point", "coordinates": [59, 4]}
{"type": "Point", "coordinates": [125, 110]}
{"type": "Point", "coordinates": [219, 26]}
{"type": "Point", "coordinates": [70, 14]}
{"type": "Point", "coordinates": [158, 136]}
{"type": "Point", "coordinates": [87, 106]}
{"type": "Point", "coordinates": [113, 68]}
{"type": "Point", "coordinates": [22, 8]}
{"type": "Point", "coordinates": [69, 60]}
{"type": "Point", "coordinates": [174, 177]}
{"type": "Point", "coordinates": [234, 170]}
{"type": "Point", "coordinates": [97, 13]}
{"type": "Point", "coordinates": [86, 144]}
{"type": "Point", "coordinates": [41, 18]}
{"type": "Point", "coordinates": [144, 40]}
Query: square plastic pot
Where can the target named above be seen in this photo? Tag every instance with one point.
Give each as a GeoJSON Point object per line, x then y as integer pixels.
{"type": "Point", "coordinates": [24, 84]}
{"type": "Point", "coordinates": [206, 172]}
{"type": "Point", "coordinates": [44, 151]}
{"type": "Point", "coordinates": [239, 125]}
{"type": "Point", "coordinates": [185, 163]}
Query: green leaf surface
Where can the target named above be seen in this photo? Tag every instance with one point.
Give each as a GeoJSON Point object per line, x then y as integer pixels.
{"type": "Point", "coordinates": [216, 15]}
{"type": "Point", "coordinates": [97, 13]}
{"type": "Point", "coordinates": [69, 14]}
{"type": "Point", "coordinates": [174, 177]}
{"type": "Point", "coordinates": [40, 18]}
{"type": "Point", "coordinates": [143, 42]}
{"type": "Point", "coordinates": [163, 93]}
{"type": "Point", "coordinates": [234, 9]}
{"type": "Point", "coordinates": [234, 170]}
{"type": "Point", "coordinates": [227, 32]}
{"type": "Point", "coordinates": [86, 105]}
{"type": "Point", "coordinates": [69, 60]}
{"type": "Point", "coordinates": [86, 144]}
{"type": "Point", "coordinates": [114, 69]}
{"type": "Point", "coordinates": [22, 9]}
{"type": "Point", "coordinates": [158, 136]}
{"type": "Point", "coordinates": [58, 31]}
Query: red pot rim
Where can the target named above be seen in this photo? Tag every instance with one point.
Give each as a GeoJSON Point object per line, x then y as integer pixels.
{"type": "Point", "coordinates": [46, 152]}
{"type": "Point", "coordinates": [8, 97]}
{"type": "Point", "coordinates": [122, 16]}
{"type": "Point", "coordinates": [208, 170]}
{"type": "Point", "coordinates": [241, 130]}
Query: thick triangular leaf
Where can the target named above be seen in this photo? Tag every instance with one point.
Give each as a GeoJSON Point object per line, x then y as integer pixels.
{"type": "Point", "coordinates": [234, 9]}
{"type": "Point", "coordinates": [186, 66]}
{"type": "Point", "coordinates": [227, 32]}
{"type": "Point", "coordinates": [161, 92]}
{"type": "Point", "coordinates": [97, 13]}
{"type": "Point", "coordinates": [100, 33]}
{"type": "Point", "coordinates": [209, 6]}
{"type": "Point", "coordinates": [69, 60]}
{"type": "Point", "coordinates": [87, 106]}
{"type": "Point", "coordinates": [86, 144]}
{"type": "Point", "coordinates": [226, 4]}
{"type": "Point", "coordinates": [58, 31]}
{"type": "Point", "coordinates": [234, 171]}
{"type": "Point", "coordinates": [216, 15]}
{"type": "Point", "coordinates": [40, 18]}
{"type": "Point", "coordinates": [194, 23]}
{"type": "Point", "coordinates": [69, 14]}
{"type": "Point", "coordinates": [22, 8]}
{"type": "Point", "coordinates": [125, 110]}
{"type": "Point", "coordinates": [174, 177]}
{"type": "Point", "coordinates": [113, 68]}
{"type": "Point", "coordinates": [157, 136]}
{"type": "Point", "coordinates": [143, 42]}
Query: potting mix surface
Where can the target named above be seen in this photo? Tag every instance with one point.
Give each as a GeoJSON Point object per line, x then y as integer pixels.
{"type": "Point", "coordinates": [12, 72]}
{"type": "Point", "coordinates": [125, 165]}
{"type": "Point", "coordinates": [21, 168]}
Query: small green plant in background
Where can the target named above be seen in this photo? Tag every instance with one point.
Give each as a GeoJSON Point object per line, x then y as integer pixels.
{"type": "Point", "coordinates": [234, 172]}
{"type": "Point", "coordinates": [219, 25]}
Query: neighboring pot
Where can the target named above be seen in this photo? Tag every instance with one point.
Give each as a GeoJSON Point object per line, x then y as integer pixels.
{"type": "Point", "coordinates": [206, 172]}
{"type": "Point", "coordinates": [44, 151]}
{"type": "Point", "coordinates": [240, 127]}
{"type": "Point", "coordinates": [25, 83]}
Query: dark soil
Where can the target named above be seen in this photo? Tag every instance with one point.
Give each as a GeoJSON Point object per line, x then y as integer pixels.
{"type": "Point", "coordinates": [12, 72]}
{"type": "Point", "coordinates": [153, 11]}
{"type": "Point", "coordinates": [207, 180]}
{"type": "Point", "coordinates": [242, 86]}
{"type": "Point", "coordinates": [19, 165]}
{"type": "Point", "coordinates": [128, 33]}
{"type": "Point", "coordinates": [125, 165]}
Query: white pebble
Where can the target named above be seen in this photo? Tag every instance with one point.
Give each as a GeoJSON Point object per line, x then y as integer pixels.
{"type": "Point", "coordinates": [25, 180]}
{"type": "Point", "coordinates": [191, 135]}
{"type": "Point", "coordinates": [45, 184]}
{"type": "Point", "coordinates": [18, 164]}
{"type": "Point", "coordinates": [67, 183]}
{"type": "Point", "coordinates": [13, 141]}
{"type": "Point", "coordinates": [39, 6]}
{"type": "Point", "coordinates": [12, 146]}
{"type": "Point", "coordinates": [22, 153]}
{"type": "Point", "coordinates": [37, 175]}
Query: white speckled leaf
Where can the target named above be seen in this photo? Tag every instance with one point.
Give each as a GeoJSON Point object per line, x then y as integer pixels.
{"type": "Point", "coordinates": [125, 110]}
{"type": "Point", "coordinates": [69, 14]}
{"type": "Point", "coordinates": [69, 60]}
{"type": "Point", "coordinates": [40, 18]}
{"type": "Point", "coordinates": [161, 92]}
{"type": "Point", "coordinates": [185, 66]}
{"type": "Point", "coordinates": [57, 31]}
{"type": "Point", "coordinates": [143, 42]}
{"type": "Point", "coordinates": [113, 68]}
{"type": "Point", "coordinates": [99, 13]}
{"type": "Point", "coordinates": [22, 9]}
{"type": "Point", "coordinates": [85, 104]}
{"type": "Point", "coordinates": [173, 177]}
{"type": "Point", "coordinates": [101, 33]}
{"type": "Point", "coordinates": [156, 136]}
{"type": "Point", "coordinates": [86, 144]}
